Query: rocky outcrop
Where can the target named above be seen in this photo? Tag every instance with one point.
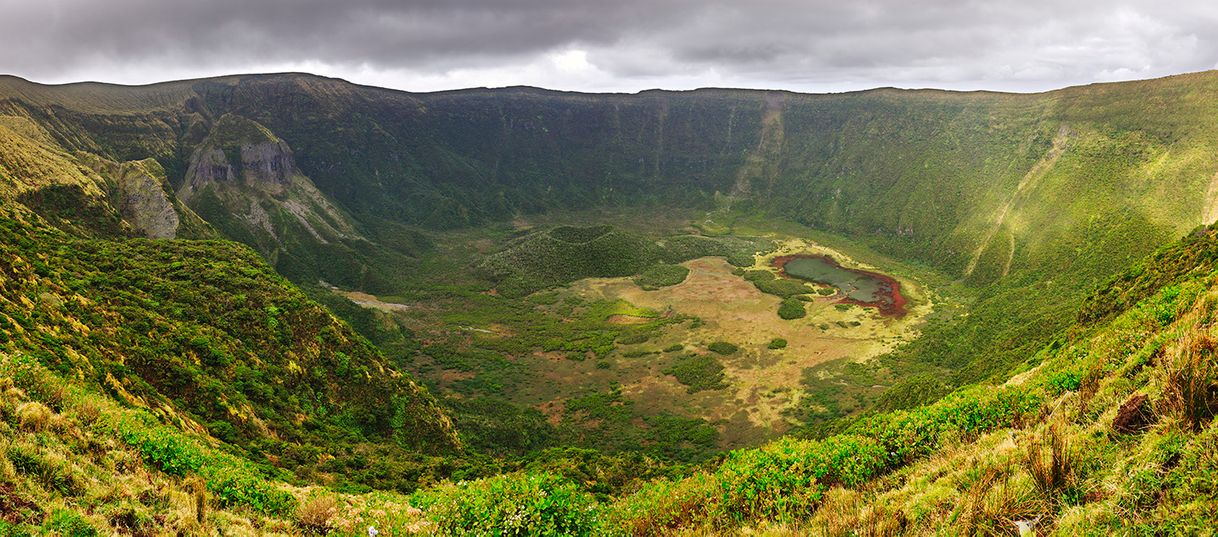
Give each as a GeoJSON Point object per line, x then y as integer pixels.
{"type": "Point", "coordinates": [209, 166]}
{"type": "Point", "coordinates": [267, 166]}
{"type": "Point", "coordinates": [244, 180]}
{"type": "Point", "coordinates": [142, 197]}
{"type": "Point", "coordinates": [267, 163]}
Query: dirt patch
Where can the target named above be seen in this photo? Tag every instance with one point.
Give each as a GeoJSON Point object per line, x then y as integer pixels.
{"type": "Point", "coordinates": [553, 356]}
{"type": "Point", "coordinates": [452, 375]}
{"type": "Point", "coordinates": [371, 301]}
{"type": "Point", "coordinates": [17, 510]}
{"type": "Point", "coordinates": [627, 319]}
{"type": "Point", "coordinates": [553, 410]}
{"type": "Point", "coordinates": [1133, 416]}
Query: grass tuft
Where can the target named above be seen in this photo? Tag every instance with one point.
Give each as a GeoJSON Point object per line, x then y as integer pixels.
{"type": "Point", "coordinates": [34, 416]}
{"type": "Point", "coordinates": [1190, 381]}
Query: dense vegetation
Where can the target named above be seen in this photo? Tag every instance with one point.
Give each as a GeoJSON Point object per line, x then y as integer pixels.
{"type": "Point", "coordinates": [207, 336]}
{"type": "Point", "coordinates": [154, 378]}
{"type": "Point", "coordinates": [568, 253]}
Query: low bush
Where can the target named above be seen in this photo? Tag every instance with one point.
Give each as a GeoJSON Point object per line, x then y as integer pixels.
{"type": "Point", "coordinates": [1064, 381]}
{"type": "Point", "coordinates": [662, 275]}
{"type": "Point", "coordinates": [723, 347]}
{"type": "Point", "coordinates": [791, 309]}
{"type": "Point", "coordinates": [769, 283]}
{"type": "Point", "coordinates": [316, 516]}
{"type": "Point", "coordinates": [511, 504]}
{"type": "Point", "coordinates": [697, 372]}
{"type": "Point", "coordinates": [777, 343]}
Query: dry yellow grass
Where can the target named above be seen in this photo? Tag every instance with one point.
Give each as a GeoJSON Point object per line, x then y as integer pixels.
{"type": "Point", "coordinates": [34, 416]}
{"type": "Point", "coordinates": [316, 516]}
{"type": "Point", "coordinates": [764, 382]}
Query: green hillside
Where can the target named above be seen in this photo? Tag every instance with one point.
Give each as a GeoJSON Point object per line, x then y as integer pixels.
{"type": "Point", "coordinates": [288, 304]}
{"type": "Point", "coordinates": [204, 335]}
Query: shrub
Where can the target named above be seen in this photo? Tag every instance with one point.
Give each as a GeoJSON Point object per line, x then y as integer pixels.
{"type": "Point", "coordinates": [660, 507]}
{"type": "Point", "coordinates": [784, 480]}
{"type": "Point", "coordinates": [316, 515]}
{"type": "Point", "coordinates": [723, 347]}
{"type": "Point", "coordinates": [511, 504]}
{"type": "Point", "coordinates": [791, 308]}
{"type": "Point", "coordinates": [777, 343]}
{"type": "Point", "coordinates": [239, 486]}
{"type": "Point", "coordinates": [767, 484]}
{"type": "Point", "coordinates": [697, 372]}
{"type": "Point", "coordinates": [662, 275]}
{"type": "Point", "coordinates": [1064, 381]}
{"type": "Point", "coordinates": [634, 338]}
{"type": "Point", "coordinates": [675, 347]}
{"type": "Point", "coordinates": [766, 282]}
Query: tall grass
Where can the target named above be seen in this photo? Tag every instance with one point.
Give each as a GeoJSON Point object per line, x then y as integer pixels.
{"type": "Point", "coordinates": [1190, 380]}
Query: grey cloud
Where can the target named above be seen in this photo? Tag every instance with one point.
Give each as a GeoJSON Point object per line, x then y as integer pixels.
{"type": "Point", "coordinates": [804, 45]}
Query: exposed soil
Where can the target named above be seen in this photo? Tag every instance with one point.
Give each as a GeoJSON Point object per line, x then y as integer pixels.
{"type": "Point", "coordinates": [627, 319]}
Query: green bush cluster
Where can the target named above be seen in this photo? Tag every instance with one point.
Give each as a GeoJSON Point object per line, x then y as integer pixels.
{"type": "Point", "coordinates": [777, 343]}
{"type": "Point", "coordinates": [770, 283]}
{"type": "Point", "coordinates": [698, 372]}
{"type": "Point", "coordinates": [567, 253]}
{"type": "Point", "coordinates": [662, 275]}
{"type": "Point", "coordinates": [1064, 381]}
{"type": "Point", "coordinates": [723, 347]}
{"type": "Point", "coordinates": [511, 504]}
{"type": "Point", "coordinates": [791, 309]}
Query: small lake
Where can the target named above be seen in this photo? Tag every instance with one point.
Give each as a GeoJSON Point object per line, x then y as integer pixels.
{"type": "Point", "coordinates": [855, 286]}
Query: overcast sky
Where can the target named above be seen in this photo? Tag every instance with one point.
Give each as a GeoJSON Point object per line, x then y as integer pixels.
{"type": "Point", "coordinates": [615, 45]}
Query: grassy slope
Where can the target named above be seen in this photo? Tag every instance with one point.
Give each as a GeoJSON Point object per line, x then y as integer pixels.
{"type": "Point", "coordinates": [207, 337]}
{"type": "Point", "coordinates": [1042, 447]}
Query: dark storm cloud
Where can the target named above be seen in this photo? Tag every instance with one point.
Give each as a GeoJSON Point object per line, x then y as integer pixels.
{"type": "Point", "coordinates": [624, 44]}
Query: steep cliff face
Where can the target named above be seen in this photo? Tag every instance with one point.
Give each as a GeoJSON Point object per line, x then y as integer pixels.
{"type": "Point", "coordinates": [144, 202]}
{"type": "Point", "coordinates": [87, 193]}
{"type": "Point", "coordinates": [267, 166]}
{"type": "Point", "coordinates": [244, 180]}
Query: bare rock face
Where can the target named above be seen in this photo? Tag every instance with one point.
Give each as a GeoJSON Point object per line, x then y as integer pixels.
{"type": "Point", "coordinates": [267, 163]}
{"type": "Point", "coordinates": [144, 202]}
{"type": "Point", "coordinates": [267, 166]}
{"type": "Point", "coordinates": [210, 166]}
{"type": "Point", "coordinates": [240, 152]}
{"type": "Point", "coordinates": [246, 178]}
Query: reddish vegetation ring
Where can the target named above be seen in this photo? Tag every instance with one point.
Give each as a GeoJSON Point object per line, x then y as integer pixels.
{"type": "Point", "coordinates": [891, 305]}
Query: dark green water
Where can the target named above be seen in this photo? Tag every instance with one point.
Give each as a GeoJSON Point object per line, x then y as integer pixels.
{"type": "Point", "coordinates": [855, 285]}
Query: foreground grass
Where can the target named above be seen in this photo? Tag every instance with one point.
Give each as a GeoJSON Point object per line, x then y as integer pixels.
{"type": "Point", "coordinates": [1046, 446]}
